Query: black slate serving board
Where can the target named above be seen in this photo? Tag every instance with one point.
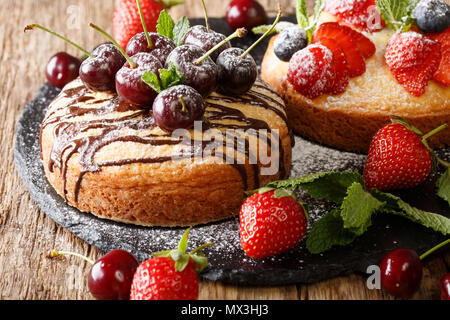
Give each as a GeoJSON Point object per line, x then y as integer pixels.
{"type": "Point", "coordinates": [227, 261]}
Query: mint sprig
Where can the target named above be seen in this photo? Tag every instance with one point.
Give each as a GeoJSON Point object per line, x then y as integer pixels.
{"type": "Point", "coordinates": [167, 78]}
{"type": "Point", "coordinates": [174, 31]}
{"type": "Point", "coordinates": [398, 14]}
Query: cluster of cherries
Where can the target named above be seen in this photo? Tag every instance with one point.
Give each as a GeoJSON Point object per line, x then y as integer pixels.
{"type": "Point", "coordinates": [206, 61]}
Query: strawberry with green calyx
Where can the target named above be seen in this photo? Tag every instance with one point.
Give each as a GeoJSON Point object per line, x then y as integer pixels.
{"type": "Point", "coordinates": [170, 274]}
{"type": "Point", "coordinates": [271, 221]}
{"type": "Point", "coordinates": [399, 157]}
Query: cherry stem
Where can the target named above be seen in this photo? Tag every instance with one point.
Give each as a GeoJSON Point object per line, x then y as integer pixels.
{"type": "Point", "coordinates": [440, 245]}
{"type": "Point", "coordinates": [241, 32]}
{"type": "Point", "coordinates": [149, 41]}
{"type": "Point", "coordinates": [183, 105]}
{"type": "Point", "coordinates": [432, 133]}
{"type": "Point", "coordinates": [56, 253]}
{"type": "Point", "coordinates": [265, 34]}
{"type": "Point", "coordinates": [110, 38]}
{"type": "Point", "coordinates": [205, 12]}
{"type": "Point", "coordinates": [32, 26]}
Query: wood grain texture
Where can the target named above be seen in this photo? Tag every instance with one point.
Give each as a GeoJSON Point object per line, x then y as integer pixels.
{"type": "Point", "coordinates": [27, 234]}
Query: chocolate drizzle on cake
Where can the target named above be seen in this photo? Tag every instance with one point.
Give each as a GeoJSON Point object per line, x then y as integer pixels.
{"type": "Point", "coordinates": [75, 119]}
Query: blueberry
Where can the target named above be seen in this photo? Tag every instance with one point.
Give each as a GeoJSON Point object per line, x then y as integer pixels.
{"type": "Point", "coordinates": [432, 16]}
{"type": "Point", "coordinates": [289, 41]}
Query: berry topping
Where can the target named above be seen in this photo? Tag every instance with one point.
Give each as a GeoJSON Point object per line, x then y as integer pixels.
{"type": "Point", "coordinates": [349, 43]}
{"type": "Point", "coordinates": [170, 274]}
{"type": "Point", "coordinates": [61, 69]}
{"type": "Point", "coordinates": [360, 14]}
{"type": "Point", "coordinates": [432, 16]}
{"type": "Point", "coordinates": [442, 75]}
{"type": "Point", "coordinates": [160, 46]}
{"type": "Point", "coordinates": [178, 107]}
{"type": "Point", "coordinates": [289, 41]}
{"type": "Point", "coordinates": [413, 60]}
{"type": "Point", "coordinates": [398, 157]}
{"type": "Point", "coordinates": [129, 83]}
{"type": "Point", "coordinates": [271, 223]}
{"type": "Point", "coordinates": [401, 272]}
{"type": "Point", "coordinates": [245, 14]}
{"type": "Point", "coordinates": [310, 70]}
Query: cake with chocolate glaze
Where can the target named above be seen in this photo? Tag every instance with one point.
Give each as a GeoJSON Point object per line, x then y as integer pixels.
{"type": "Point", "coordinates": [108, 157]}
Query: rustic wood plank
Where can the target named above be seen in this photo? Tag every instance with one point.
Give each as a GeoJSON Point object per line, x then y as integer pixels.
{"type": "Point", "coordinates": [26, 233]}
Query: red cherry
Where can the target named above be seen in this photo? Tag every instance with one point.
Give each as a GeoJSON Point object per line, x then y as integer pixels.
{"type": "Point", "coordinates": [245, 14]}
{"type": "Point", "coordinates": [111, 276]}
{"type": "Point", "coordinates": [61, 69]}
{"type": "Point", "coordinates": [445, 287]}
{"type": "Point", "coordinates": [401, 272]}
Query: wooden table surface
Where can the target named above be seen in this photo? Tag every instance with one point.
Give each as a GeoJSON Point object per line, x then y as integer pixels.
{"type": "Point", "coordinates": [26, 233]}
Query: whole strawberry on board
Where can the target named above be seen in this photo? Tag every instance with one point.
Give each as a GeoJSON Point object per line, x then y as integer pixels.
{"type": "Point", "coordinates": [399, 157]}
{"type": "Point", "coordinates": [271, 222]}
{"type": "Point", "coordinates": [127, 21]}
{"type": "Point", "coordinates": [170, 274]}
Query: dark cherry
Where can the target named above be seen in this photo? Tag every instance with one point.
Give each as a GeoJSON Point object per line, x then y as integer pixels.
{"type": "Point", "coordinates": [61, 69]}
{"type": "Point", "coordinates": [206, 39]}
{"type": "Point", "coordinates": [401, 272]}
{"type": "Point", "coordinates": [111, 276]}
{"type": "Point", "coordinates": [245, 14]}
{"type": "Point", "coordinates": [201, 76]}
{"type": "Point", "coordinates": [237, 74]}
{"type": "Point", "coordinates": [445, 287]}
{"type": "Point", "coordinates": [129, 83]}
{"type": "Point", "coordinates": [98, 71]}
{"type": "Point", "coordinates": [161, 46]}
{"type": "Point", "coordinates": [178, 107]}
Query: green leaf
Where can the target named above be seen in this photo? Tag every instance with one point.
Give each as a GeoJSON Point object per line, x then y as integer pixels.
{"type": "Point", "coordinates": [302, 14]}
{"type": "Point", "coordinates": [181, 263]}
{"type": "Point", "coordinates": [327, 185]}
{"type": "Point", "coordinates": [171, 76]}
{"type": "Point", "coordinates": [357, 209]}
{"type": "Point", "coordinates": [327, 232]}
{"type": "Point", "coordinates": [180, 29]}
{"type": "Point", "coordinates": [151, 79]}
{"type": "Point", "coordinates": [182, 245]}
{"type": "Point", "coordinates": [394, 12]}
{"type": "Point", "coordinates": [165, 25]}
{"type": "Point", "coordinates": [318, 8]}
{"type": "Point", "coordinates": [397, 206]}
{"type": "Point", "coordinates": [200, 261]}
{"type": "Point", "coordinates": [443, 186]}
{"type": "Point", "coordinates": [280, 26]}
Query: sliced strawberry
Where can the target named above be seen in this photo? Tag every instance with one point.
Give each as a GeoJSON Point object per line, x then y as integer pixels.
{"type": "Point", "coordinates": [311, 71]}
{"type": "Point", "coordinates": [413, 60]}
{"type": "Point", "coordinates": [332, 30]}
{"type": "Point", "coordinates": [339, 63]}
{"type": "Point", "coordinates": [360, 14]}
{"type": "Point", "coordinates": [365, 46]}
{"type": "Point", "coordinates": [442, 75]}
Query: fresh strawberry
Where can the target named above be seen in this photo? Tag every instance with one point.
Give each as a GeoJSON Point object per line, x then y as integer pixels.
{"type": "Point", "coordinates": [271, 222]}
{"type": "Point", "coordinates": [344, 36]}
{"type": "Point", "coordinates": [442, 75]}
{"type": "Point", "coordinates": [339, 63]}
{"type": "Point", "coordinates": [170, 275]}
{"type": "Point", "coordinates": [398, 157]}
{"type": "Point", "coordinates": [311, 71]}
{"type": "Point", "coordinates": [413, 60]}
{"type": "Point", "coordinates": [360, 14]}
{"type": "Point", "coordinates": [127, 21]}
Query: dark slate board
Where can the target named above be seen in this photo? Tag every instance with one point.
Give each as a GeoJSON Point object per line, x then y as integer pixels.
{"type": "Point", "coordinates": [228, 263]}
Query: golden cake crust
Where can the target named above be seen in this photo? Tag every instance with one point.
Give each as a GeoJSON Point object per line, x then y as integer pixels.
{"type": "Point", "coordinates": [349, 120]}
{"type": "Point", "coordinates": [108, 158]}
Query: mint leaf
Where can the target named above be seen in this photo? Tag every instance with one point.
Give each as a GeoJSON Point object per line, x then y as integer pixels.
{"type": "Point", "coordinates": [180, 29]}
{"type": "Point", "coordinates": [327, 232]}
{"type": "Point", "coordinates": [151, 79]}
{"type": "Point", "coordinates": [357, 209]}
{"type": "Point", "coordinates": [327, 185]}
{"type": "Point", "coordinates": [397, 206]}
{"type": "Point", "coordinates": [165, 25]}
{"type": "Point", "coordinates": [301, 14]}
{"type": "Point", "coordinates": [443, 186]}
{"type": "Point", "coordinates": [394, 12]}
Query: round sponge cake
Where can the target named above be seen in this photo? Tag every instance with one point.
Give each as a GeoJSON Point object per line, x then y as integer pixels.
{"type": "Point", "coordinates": [349, 120]}
{"type": "Point", "coordinates": [109, 158]}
